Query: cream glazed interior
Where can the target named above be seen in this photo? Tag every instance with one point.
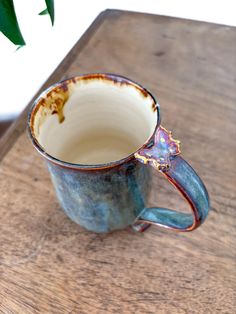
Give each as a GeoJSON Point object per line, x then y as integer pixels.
{"type": "Point", "coordinates": [93, 120]}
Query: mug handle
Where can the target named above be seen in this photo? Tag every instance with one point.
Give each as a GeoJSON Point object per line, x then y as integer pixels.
{"type": "Point", "coordinates": [163, 155]}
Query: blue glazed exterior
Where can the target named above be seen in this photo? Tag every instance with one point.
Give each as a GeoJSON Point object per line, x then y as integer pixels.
{"type": "Point", "coordinates": [102, 200]}
{"type": "Point", "coordinates": [186, 180]}
{"type": "Point", "coordinates": [107, 197]}
{"type": "Point", "coordinates": [165, 157]}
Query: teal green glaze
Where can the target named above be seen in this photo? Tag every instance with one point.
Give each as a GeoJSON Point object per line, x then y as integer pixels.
{"type": "Point", "coordinates": [164, 156]}
{"type": "Point", "coordinates": [193, 189]}
{"type": "Point", "coordinates": [102, 200]}
{"type": "Point", "coordinates": [112, 196]}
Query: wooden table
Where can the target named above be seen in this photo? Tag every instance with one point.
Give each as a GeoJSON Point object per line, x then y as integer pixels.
{"type": "Point", "coordinates": [48, 264]}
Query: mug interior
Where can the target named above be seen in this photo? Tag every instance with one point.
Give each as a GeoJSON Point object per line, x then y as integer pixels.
{"type": "Point", "coordinates": [93, 119]}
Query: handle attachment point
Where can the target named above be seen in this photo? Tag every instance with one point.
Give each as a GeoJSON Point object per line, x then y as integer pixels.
{"type": "Point", "coordinates": [159, 155]}
{"type": "Point", "coordinates": [163, 156]}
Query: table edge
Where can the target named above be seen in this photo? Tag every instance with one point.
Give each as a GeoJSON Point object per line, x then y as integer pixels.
{"type": "Point", "coordinates": [19, 125]}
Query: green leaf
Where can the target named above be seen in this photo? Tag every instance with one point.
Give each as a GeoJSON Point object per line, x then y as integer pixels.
{"type": "Point", "coordinates": [50, 7]}
{"type": "Point", "coordinates": [8, 22]}
{"type": "Point", "coordinates": [44, 12]}
{"type": "Point", "coordinates": [19, 47]}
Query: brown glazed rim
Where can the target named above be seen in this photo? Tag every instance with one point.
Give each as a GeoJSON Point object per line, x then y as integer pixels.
{"type": "Point", "coordinates": [93, 76]}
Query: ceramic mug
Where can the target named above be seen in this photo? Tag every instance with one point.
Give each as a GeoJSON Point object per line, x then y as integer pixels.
{"type": "Point", "coordinates": [99, 134]}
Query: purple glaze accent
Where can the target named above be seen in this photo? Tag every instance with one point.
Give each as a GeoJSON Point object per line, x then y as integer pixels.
{"type": "Point", "coordinates": [158, 155]}
{"type": "Point", "coordinates": [163, 156]}
{"type": "Point", "coordinates": [112, 196]}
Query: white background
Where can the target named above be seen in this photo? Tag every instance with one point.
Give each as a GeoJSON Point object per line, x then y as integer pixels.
{"type": "Point", "coordinates": [22, 72]}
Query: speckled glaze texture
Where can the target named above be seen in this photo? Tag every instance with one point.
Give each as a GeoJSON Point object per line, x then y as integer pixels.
{"type": "Point", "coordinates": [102, 200]}
{"type": "Point", "coordinates": [111, 196]}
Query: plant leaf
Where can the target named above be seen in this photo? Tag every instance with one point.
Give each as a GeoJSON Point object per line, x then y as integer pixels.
{"type": "Point", "coordinates": [50, 7]}
{"type": "Point", "coordinates": [8, 22]}
{"type": "Point", "coordinates": [44, 12]}
{"type": "Point", "coordinates": [19, 47]}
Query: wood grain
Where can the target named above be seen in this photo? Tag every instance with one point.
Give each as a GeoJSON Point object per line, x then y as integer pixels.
{"type": "Point", "coordinates": [50, 265]}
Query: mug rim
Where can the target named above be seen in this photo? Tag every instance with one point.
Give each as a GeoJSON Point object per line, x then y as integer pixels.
{"type": "Point", "coordinates": [105, 76]}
